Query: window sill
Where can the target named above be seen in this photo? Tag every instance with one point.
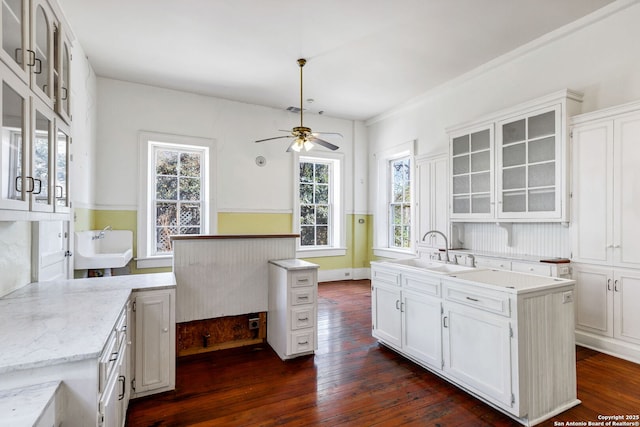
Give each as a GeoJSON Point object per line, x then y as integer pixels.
{"type": "Point", "coordinates": [154, 262]}
{"type": "Point", "coordinates": [394, 253]}
{"type": "Point", "coordinates": [314, 253]}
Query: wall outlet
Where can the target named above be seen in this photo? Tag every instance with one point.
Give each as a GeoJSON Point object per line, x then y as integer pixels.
{"type": "Point", "coordinates": [254, 323]}
{"type": "Point", "coordinates": [567, 297]}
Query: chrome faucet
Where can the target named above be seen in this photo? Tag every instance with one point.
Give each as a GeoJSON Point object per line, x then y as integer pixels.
{"type": "Point", "coordinates": [446, 242]}
{"type": "Point", "coordinates": [100, 235]}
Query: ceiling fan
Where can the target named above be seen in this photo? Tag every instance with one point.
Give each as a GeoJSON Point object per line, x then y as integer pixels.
{"type": "Point", "coordinates": [304, 138]}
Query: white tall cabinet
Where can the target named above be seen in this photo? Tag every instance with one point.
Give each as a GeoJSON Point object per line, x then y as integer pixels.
{"type": "Point", "coordinates": [605, 230]}
{"type": "Point", "coordinates": [433, 192]}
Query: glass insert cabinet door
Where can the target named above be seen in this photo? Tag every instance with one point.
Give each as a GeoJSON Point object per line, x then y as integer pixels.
{"type": "Point", "coordinates": [529, 167]}
{"type": "Point", "coordinates": [472, 179]}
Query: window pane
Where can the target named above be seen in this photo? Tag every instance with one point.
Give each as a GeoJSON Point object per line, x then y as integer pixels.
{"type": "Point", "coordinates": [322, 215]}
{"type": "Point", "coordinates": [189, 230]}
{"type": "Point", "coordinates": [306, 193]}
{"type": "Point", "coordinates": [322, 194]}
{"type": "Point", "coordinates": [396, 214]}
{"type": "Point", "coordinates": [307, 236]}
{"type": "Point", "coordinates": [163, 238]}
{"type": "Point", "coordinates": [307, 214]}
{"type": "Point", "coordinates": [166, 214]}
{"type": "Point", "coordinates": [322, 173]}
{"type": "Point", "coordinates": [513, 132]}
{"type": "Point", "coordinates": [167, 188]}
{"type": "Point", "coordinates": [322, 236]}
{"type": "Point", "coordinates": [189, 188]}
{"type": "Point", "coordinates": [306, 172]}
{"type": "Point", "coordinates": [166, 162]}
{"type": "Point", "coordinates": [190, 164]}
{"type": "Point", "coordinates": [189, 214]}
{"type": "Point", "coordinates": [460, 145]}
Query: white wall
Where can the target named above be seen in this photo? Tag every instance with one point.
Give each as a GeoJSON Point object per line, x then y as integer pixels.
{"type": "Point", "coordinates": [127, 108]}
{"type": "Point", "coordinates": [599, 59]}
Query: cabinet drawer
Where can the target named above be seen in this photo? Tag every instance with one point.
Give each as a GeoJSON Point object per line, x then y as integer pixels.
{"type": "Point", "coordinates": [499, 264]}
{"type": "Point", "coordinates": [531, 268]}
{"type": "Point", "coordinates": [303, 296]}
{"type": "Point", "coordinates": [303, 317]}
{"type": "Point", "coordinates": [108, 360]}
{"type": "Point", "coordinates": [121, 325]}
{"type": "Point", "coordinates": [493, 302]}
{"type": "Point", "coordinates": [386, 276]}
{"type": "Point", "coordinates": [303, 341]}
{"type": "Point", "coordinates": [424, 285]}
{"type": "Point", "coordinates": [302, 278]}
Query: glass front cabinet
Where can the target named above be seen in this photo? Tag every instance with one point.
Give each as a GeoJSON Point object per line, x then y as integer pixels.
{"type": "Point", "coordinates": [34, 152]}
{"type": "Point", "coordinates": [512, 166]}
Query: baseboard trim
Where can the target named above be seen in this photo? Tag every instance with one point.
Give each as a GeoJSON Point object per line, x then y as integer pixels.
{"type": "Point", "coordinates": [610, 346]}
{"type": "Point", "coordinates": [343, 274]}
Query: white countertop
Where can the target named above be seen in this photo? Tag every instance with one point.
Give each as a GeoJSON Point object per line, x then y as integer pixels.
{"type": "Point", "coordinates": [293, 264]}
{"type": "Point", "coordinates": [61, 321]}
{"type": "Point", "coordinates": [21, 407]}
{"type": "Point", "coordinates": [510, 281]}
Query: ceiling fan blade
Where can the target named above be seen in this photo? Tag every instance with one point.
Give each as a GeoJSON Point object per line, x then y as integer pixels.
{"type": "Point", "coordinates": [327, 133]}
{"type": "Point", "coordinates": [275, 137]}
{"type": "Point", "coordinates": [323, 143]}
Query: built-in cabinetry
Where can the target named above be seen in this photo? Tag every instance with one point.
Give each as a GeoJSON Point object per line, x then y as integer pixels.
{"type": "Point", "coordinates": [432, 176]}
{"type": "Point", "coordinates": [292, 319]}
{"type": "Point", "coordinates": [522, 266]}
{"type": "Point", "coordinates": [35, 66]}
{"type": "Point", "coordinates": [512, 165]}
{"type": "Point", "coordinates": [605, 232]}
{"type": "Point", "coordinates": [154, 337]}
{"type": "Point", "coordinates": [493, 341]}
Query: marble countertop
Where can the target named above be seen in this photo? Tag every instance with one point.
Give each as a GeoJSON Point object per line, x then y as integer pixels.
{"type": "Point", "coordinates": [510, 281]}
{"type": "Point", "coordinates": [21, 407]}
{"type": "Point", "coordinates": [55, 322]}
{"type": "Point", "coordinates": [293, 264]}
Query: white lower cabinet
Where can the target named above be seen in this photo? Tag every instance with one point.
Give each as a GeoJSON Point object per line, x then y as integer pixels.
{"type": "Point", "coordinates": [292, 317]}
{"type": "Point", "coordinates": [477, 351]}
{"type": "Point", "coordinates": [514, 349]}
{"type": "Point", "coordinates": [154, 338]}
{"type": "Point", "coordinates": [608, 309]}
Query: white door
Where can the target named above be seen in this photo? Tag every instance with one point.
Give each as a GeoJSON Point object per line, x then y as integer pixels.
{"type": "Point", "coordinates": [594, 299]}
{"type": "Point", "coordinates": [153, 340]}
{"type": "Point", "coordinates": [626, 286]}
{"type": "Point", "coordinates": [626, 238]}
{"type": "Point", "coordinates": [385, 312]}
{"type": "Point", "coordinates": [477, 351]}
{"type": "Point", "coordinates": [421, 326]}
{"type": "Point", "coordinates": [433, 199]}
{"type": "Point", "coordinates": [50, 244]}
{"type": "Point", "coordinates": [592, 209]}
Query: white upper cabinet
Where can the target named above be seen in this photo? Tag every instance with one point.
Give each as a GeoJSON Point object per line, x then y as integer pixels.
{"type": "Point", "coordinates": [606, 194]}
{"type": "Point", "coordinates": [472, 173]}
{"type": "Point", "coordinates": [432, 208]}
{"type": "Point", "coordinates": [512, 165]}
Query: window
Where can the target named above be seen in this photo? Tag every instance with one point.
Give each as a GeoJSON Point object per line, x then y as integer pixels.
{"type": "Point", "coordinates": [178, 200]}
{"type": "Point", "coordinates": [400, 204]}
{"type": "Point", "coordinates": [175, 193]}
{"type": "Point", "coordinates": [393, 203]}
{"type": "Point", "coordinates": [319, 215]}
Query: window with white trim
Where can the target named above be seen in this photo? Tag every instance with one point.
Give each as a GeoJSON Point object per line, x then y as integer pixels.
{"type": "Point", "coordinates": [400, 211]}
{"type": "Point", "coordinates": [319, 211]}
{"type": "Point", "coordinates": [393, 202]}
{"type": "Point", "coordinates": [175, 193]}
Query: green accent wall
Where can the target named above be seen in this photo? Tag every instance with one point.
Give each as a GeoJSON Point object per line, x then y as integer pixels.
{"type": "Point", "coordinates": [254, 223]}
{"type": "Point", "coordinates": [359, 233]}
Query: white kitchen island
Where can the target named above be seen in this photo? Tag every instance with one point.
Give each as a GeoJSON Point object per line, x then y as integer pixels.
{"type": "Point", "coordinates": [503, 336]}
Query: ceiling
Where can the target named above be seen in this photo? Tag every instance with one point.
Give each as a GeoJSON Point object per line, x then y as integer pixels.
{"type": "Point", "coordinates": [364, 56]}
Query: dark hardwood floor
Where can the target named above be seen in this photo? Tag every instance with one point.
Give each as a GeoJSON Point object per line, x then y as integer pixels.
{"type": "Point", "coordinates": [354, 381]}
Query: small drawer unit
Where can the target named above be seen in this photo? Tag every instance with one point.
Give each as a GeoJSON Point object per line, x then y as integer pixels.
{"type": "Point", "coordinates": [292, 322]}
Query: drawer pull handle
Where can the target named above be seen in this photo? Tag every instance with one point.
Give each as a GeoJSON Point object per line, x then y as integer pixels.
{"type": "Point", "coordinates": [608, 284]}
{"type": "Point", "coordinates": [397, 304]}
{"type": "Point", "coordinates": [303, 280]}
{"type": "Point", "coordinates": [444, 322]}
{"type": "Point", "coordinates": [615, 286]}
{"type": "Point", "coordinates": [303, 297]}
{"type": "Point", "coordinates": [303, 320]}
{"type": "Point", "coordinates": [114, 356]}
{"type": "Point", "coordinates": [123, 380]}
{"type": "Point", "coordinates": [303, 343]}
{"type": "Point", "coordinates": [473, 299]}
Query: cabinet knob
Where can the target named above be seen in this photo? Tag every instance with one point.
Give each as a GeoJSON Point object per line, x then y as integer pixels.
{"type": "Point", "coordinates": [165, 329]}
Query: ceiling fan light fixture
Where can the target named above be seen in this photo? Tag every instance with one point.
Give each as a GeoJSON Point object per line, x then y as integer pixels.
{"type": "Point", "coordinates": [308, 145]}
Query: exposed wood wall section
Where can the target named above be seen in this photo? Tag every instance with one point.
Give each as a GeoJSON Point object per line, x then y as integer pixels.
{"type": "Point", "coordinates": [201, 336]}
{"type": "Point", "coordinates": [218, 277]}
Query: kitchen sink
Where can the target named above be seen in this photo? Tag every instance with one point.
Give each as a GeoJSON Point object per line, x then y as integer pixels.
{"type": "Point", "coordinates": [97, 249]}
{"type": "Point", "coordinates": [432, 266]}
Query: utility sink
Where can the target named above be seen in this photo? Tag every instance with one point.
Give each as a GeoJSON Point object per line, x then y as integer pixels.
{"type": "Point", "coordinates": [97, 249]}
{"type": "Point", "coordinates": [432, 266]}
